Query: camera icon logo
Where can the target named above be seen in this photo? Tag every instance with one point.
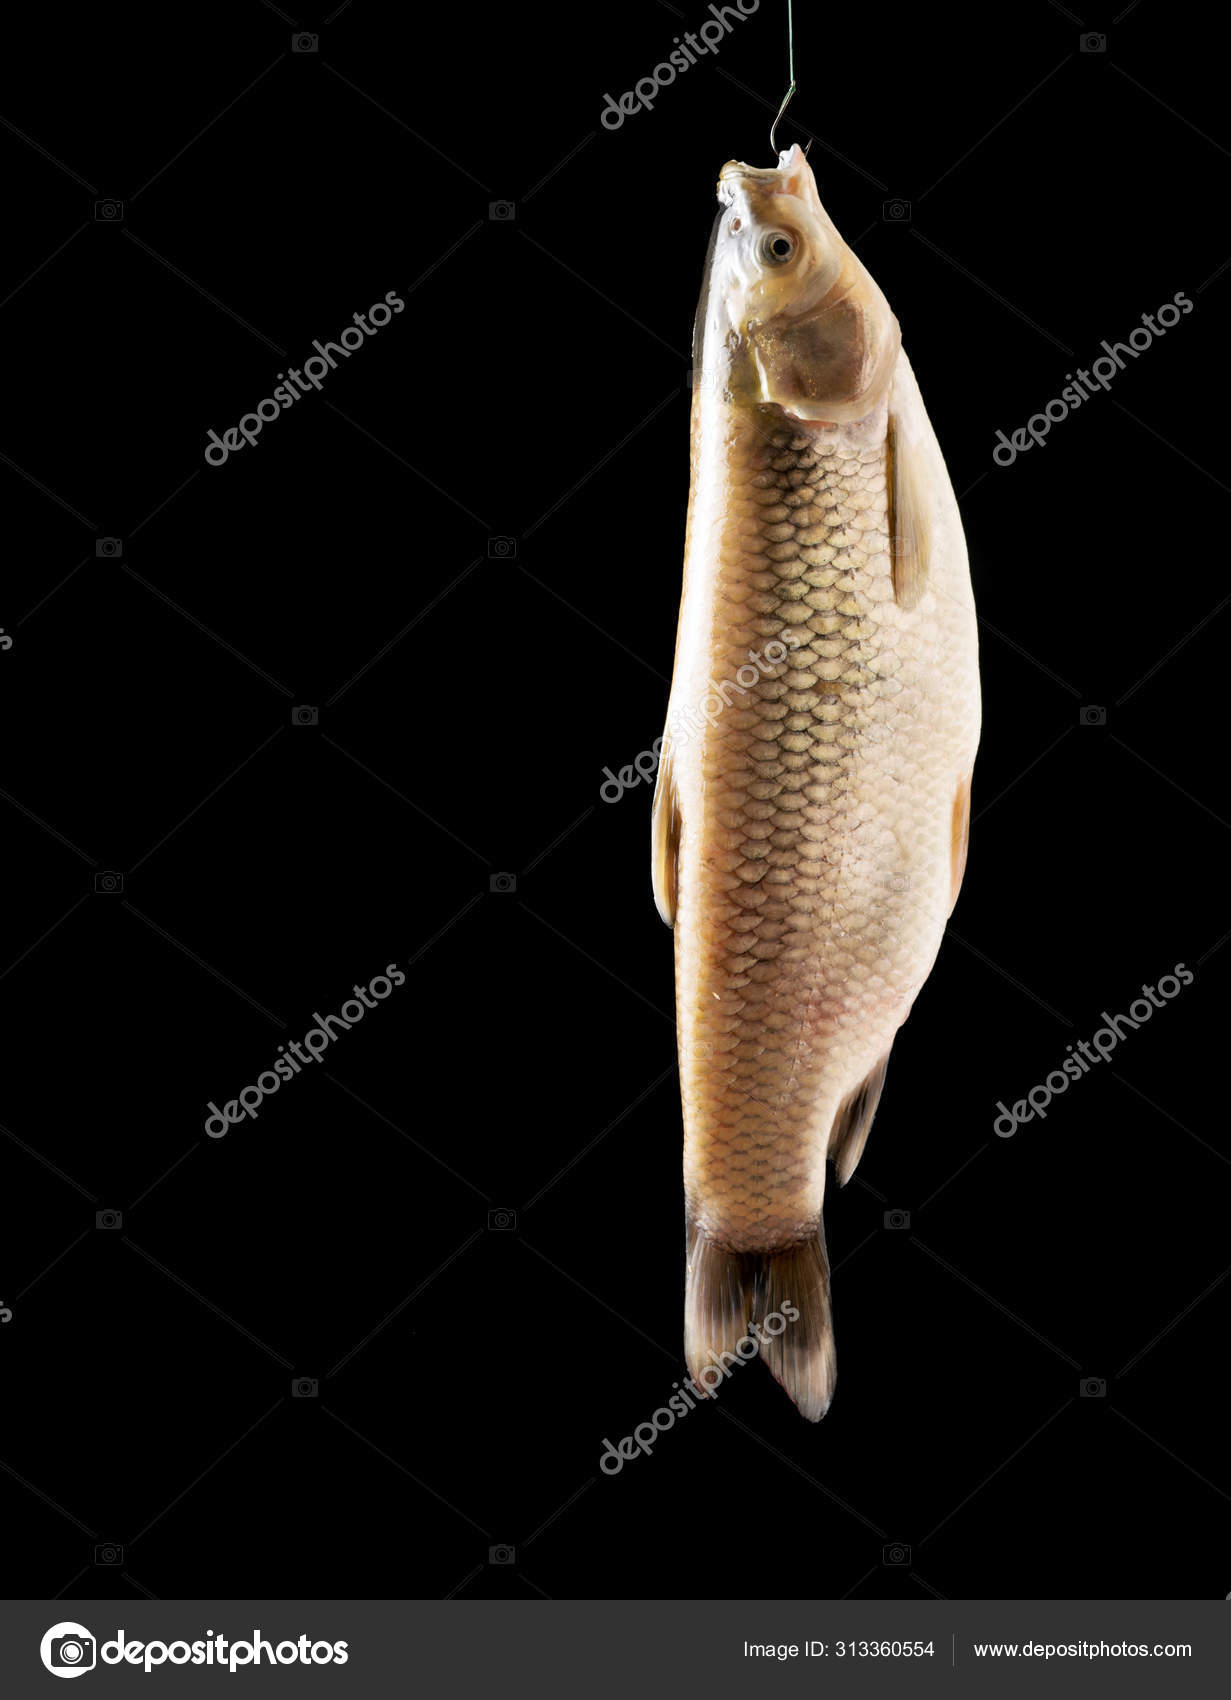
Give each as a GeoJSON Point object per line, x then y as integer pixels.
{"type": "Point", "coordinates": [502, 1221]}
{"type": "Point", "coordinates": [502, 548]}
{"type": "Point", "coordinates": [302, 715]}
{"type": "Point", "coordinates": [897, 1218]}
{"type": "Point", "coordinates": [68, 1649]}
{"type": "Point", "coordinates": [109, 1220]}
{"type": "Point", "coordinates": [501, 212]}
{"type": "Point", "coordinates": [502, 1555]}
{"type": "Point", "coordinates": [109, 1553]}
{"type": "Point", "coordinates": [503, 882]}
{"type": "Point", "coordinates": [1092, 43]}
{"type": "Point", "coordinates": [302, 42]}
{"type": "Point", "coordinates": [895, 212]}
{"type": "Point", "coordinates": [1091, 715]}
{"type": "Point", "coordinates": [109, 212]}
{"type": "Point", "coordinates": [1093, 1387]}
{"type": "Point", "coordinates": [896, 1554]}
{"type": "Point", "coordinates": [108, 548]}
{"type": "Point", "coordinates": [305, 1387]}
{"type": "Point", "coordinates": [109, 884]}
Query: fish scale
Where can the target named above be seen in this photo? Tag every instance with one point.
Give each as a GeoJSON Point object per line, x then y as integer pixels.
{"type": "Point", "coordinates": [808, 553]}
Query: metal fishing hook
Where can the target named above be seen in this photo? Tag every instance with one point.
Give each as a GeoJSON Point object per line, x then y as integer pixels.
{"type": "Point", "coordinates": [786, 99]}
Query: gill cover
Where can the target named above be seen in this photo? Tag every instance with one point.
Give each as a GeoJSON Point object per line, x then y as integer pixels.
{"type": "Point", "coordinates": [790, 317]}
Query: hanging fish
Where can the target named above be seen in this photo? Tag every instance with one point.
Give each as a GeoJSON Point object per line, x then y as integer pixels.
{"type": "Point", "coordinates": [813, 797]}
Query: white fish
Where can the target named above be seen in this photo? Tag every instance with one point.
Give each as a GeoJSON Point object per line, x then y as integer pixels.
{"type": "Point", "coordinates": [813, 799]}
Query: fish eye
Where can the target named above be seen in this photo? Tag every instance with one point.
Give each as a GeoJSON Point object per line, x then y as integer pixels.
{"type": "Point", "coordinates": [777, 248]}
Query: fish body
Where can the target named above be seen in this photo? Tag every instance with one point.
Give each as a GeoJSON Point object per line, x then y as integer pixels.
{"type": "Point", "coordinates": [813, 797]}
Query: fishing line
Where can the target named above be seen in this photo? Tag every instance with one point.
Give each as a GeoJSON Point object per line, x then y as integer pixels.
{"type": "Point", "coordinates": [790, 71]}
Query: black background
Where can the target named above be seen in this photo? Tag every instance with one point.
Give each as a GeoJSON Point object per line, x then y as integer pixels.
{"type": "Point", "coordinates": [470, 696]}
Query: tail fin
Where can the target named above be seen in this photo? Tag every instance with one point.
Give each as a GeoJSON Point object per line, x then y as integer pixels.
{"type": "Point", "coordinates": [773, 1303]}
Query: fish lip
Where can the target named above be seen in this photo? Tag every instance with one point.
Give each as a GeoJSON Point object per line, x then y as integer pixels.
{"type": "Point", "coordinates": [735, 172]}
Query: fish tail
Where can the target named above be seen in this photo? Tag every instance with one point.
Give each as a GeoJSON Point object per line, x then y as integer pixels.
{"type": "Point", "coordinates": [771, 1304]}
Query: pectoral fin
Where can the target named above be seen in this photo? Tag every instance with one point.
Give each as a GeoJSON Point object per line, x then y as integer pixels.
{"type": "Point", "coordinates": [665, 834]}
{"type": "Point", "coordinates": [909, 515]}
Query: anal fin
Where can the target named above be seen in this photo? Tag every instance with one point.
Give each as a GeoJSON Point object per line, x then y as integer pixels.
{"type": "Point", "coordinates": [853, 1121]}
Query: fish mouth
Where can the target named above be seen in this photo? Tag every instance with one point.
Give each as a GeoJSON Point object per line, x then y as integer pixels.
{"type": "Point", "coordinates": [782, 178]}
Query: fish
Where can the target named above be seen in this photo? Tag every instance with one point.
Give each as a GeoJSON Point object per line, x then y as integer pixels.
{"type": "Point", "coordinates": [812, 804]}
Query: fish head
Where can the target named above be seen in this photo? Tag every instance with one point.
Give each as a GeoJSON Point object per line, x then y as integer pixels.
{"type": "Point", "coordinates": [789, 317]}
